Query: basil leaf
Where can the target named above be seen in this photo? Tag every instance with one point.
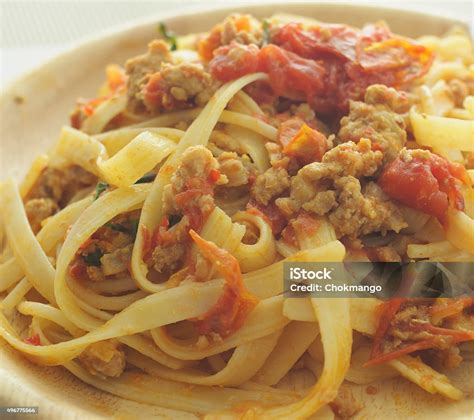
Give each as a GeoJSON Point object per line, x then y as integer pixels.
{"type": "Point", "coordinates": [146, 178]}
{"type": "Point", "coordinates": [118, 227]}
{"type": "Point", "coordinates": [169, 36]}
{"type": "Point", "coordinates": [100, 188]}
{"type": "Point", "coordinates": [266, 32]}
{"type": "Point", "coordinates": [93, 258]}
{"type": "Point", "coordinates": [134, 229]}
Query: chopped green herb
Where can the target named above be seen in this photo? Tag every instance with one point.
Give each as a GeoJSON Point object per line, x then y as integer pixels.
{"type": "Point", "coordinates": [169, 36]}
{"type": "Point", "coordinates": [93, 258]}
{"type": "Point", "coordinates": [266, 32]}
{"type": "Point", "coordinates": [173, 219]}
{"type": "Point", "coordinates": [100, 188]}
{"type": "Point", "coordinates": [134, 224]}
{"type": "Point", "coordinates": [146, 178]}
{"type": "Point", "coordinates": [118, 227]}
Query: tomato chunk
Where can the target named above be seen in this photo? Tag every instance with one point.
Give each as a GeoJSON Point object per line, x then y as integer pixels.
{"type": "Point", "coordinates": [235, 303]}
{"type": "Point", "coordinates": [33, 340]}
{"type": "Point", "coordinates": [327, 65]}
{"type": "Point", "coordinates": [290, 75]}
{"type": "Point", "coordinates": [233, 61]}
{"type": "Point", "coordinates": [424, 181]}
{"type": "Point", "coordinates": [288, 130]}
{"type": "Point", "coordinates": [318, 41]}
{"type": "Point", "coordinates": [432, 336]}
{"type": "Point", "coordinates": [308, 145]}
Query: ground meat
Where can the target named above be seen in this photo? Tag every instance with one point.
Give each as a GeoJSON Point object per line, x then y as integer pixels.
{"type": "Point", "coordinates": [168, 258]}
{"type": "Point", "coordinates": [104, 358]}
{"type": "Point", "coordinates": [95, 273]}
{"type": "Point", "coordinates": [323, 202]}
{"type": "Point", "coordinates": [231, 32]}
{"type": "Point", "coordinates": [39, 209]}
{"type": "Point", "coordinates": [181, 86]}
{"type": "Point", "coordinates": [108, 251]}
{"type": "Point", "coordinates": [332, 187]}
{"type": "Point", "coordinates": [190, 195]}
{"type": "Point", "coordinates": [359, 213]}
{"type": "Point", "coordinates": [356, 160]}
{"type": "Point", "coordinates": [116, 261]}
{"type": "Point", "coordinates": [397, 101]}
{"type": "Point", "coordinates": [377, 121]}
{"type": "Point", "coordinates": [414, 322]}
{"type": "Point", "coordinates": [236, 29]}
{"type": "Point", "coordinates": [449, 358]}
{"type": "Point", "coordinates": [53, 190]}
{"type": "Point", "coordinates": [139, 70]}
{"type": "Point", "coordinates": [61, 185]}
{"type": "Point", "coordinates": [345, 405]}
{"type": "Point", "coordinates": [277, 158]}
{"type": "Point", "coordinates": [234, 168]}
{"type": "Point", "coordinates": [196, 162]}
{"type": "Point", "coordinates": [272, 183]}
{"type": "Point", "coordinates": [404, 328]}
{"type": "Point", "coordinates": [196, 165]}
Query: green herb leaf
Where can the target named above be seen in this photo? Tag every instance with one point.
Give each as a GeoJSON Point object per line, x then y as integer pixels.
{"type": "Point", "coordinates": [146, 178]}
{"type": "Point", "coordinates": [174, 219]}
{"type": "Point", "coordinates": [100, 188]}
{"type": "Point", "coordinates": [134, 224]}
{"type": "Point", "coordinates": [169, 36]}
{"type": "Point", "coordinates": [93, 258]}
{"type": "Point", "coordinates": [118, 227]}
{"type": "Point", "coordinates": [266, 32]}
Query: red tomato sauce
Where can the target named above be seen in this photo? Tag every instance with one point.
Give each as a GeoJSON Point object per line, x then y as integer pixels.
{"type": "Point", "coordinates": [429, 185]}
{"type": "Point", "coordinates": [326, 65]}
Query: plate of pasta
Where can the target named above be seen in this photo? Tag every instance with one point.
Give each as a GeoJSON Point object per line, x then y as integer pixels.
{"type": "Point", "coordinates": [142, 252]}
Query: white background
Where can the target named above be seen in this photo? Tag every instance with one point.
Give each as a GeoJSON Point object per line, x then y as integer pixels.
{"type": "Point", "coordinates": [34, 31]}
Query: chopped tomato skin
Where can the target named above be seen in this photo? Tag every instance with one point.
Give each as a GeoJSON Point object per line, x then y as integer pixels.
{"type": "Point", "coordinates": [288, 130]}
{"type": "Point", "coordinates": [290, 75]}
{"type": "Point", "coordinates": [302, 224]}
{"type": "Point", "coordinates": [33, 340]}
{"type": "Point", "coordinates": [307, 146]}
{"type": "Point", "coordinates": [232, 308]}
{"type": "Point", "coordinates": [429, 185]}
{"type": "Point", "coordinates": [327, 65]}
{"type": "Point", "coordinates": [187, 200]}
{"type": "Point", "coordinates": [306, 224]}
{"type": "Point", "coordinates": [441, 311]}
{"type": "Point", "coordinates": [318, 41]}
{"type": "Point", "coordinates": [382, 358]}
{"type": "Point", "coordinates": [78, 270]}
{"type": "Point", "coordinates": [233, 61]}
{"type": "Point", "coordinates": [288, 235]}
{"type": "Point", "coordinates": [387, 313]}
{"type": "Point", "coordinates": [115, 81]}
{"type": "Point", "coordinates": [207, 45]}
{"type": "Point", "coordinates": [270, 213]}
{"type": "Point", "coordinates": [301, 141]}
{"type": "Point", "coordinates": [214, 176]}
{"type": "Point", "coordinates": [154, 92]}
{"type": "Point", "coordinates": [160, 236]}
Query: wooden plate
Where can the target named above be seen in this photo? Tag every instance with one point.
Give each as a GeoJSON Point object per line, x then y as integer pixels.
{"type": "Point", "coordinates": [33, 109]}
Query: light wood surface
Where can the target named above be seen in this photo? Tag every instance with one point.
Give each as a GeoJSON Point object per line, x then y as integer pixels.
{"type": "Point", "coordinates": [31, 127]}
